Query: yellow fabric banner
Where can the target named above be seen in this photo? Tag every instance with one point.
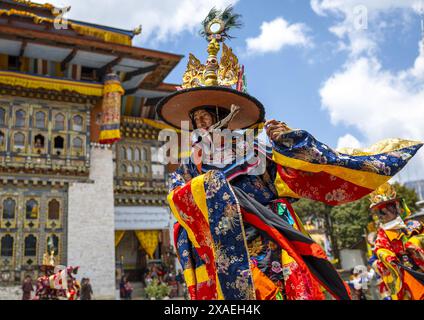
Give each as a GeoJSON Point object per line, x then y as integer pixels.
{"type": "Point", "coordinates": [119, 235]}
{"type": "Point", "coordinates": [35, 82]}
{"type": "Point", "coordinates": [149, 240]}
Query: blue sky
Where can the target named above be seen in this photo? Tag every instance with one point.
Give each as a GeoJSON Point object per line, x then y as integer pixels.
{"type": "Point", "coordinates": [287, 82]}
{"type": "Point", "coordinates": [283, 81]}
{"type": "Point", "coordinates": [350, 74]}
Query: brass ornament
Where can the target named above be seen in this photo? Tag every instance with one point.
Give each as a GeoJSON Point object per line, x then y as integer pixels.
{"type": "Point", "coordinates": [193, 77]}
{"type": "Point", "coordinates": [225, 73]}
{"type": "Point", "coordinates": [229, 67]}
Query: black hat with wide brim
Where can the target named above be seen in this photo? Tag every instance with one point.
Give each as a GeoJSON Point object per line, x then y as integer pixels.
{"type": "Point", "coordinates": [176, 107]}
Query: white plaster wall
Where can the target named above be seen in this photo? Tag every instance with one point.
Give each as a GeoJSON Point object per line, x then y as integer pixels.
{"type": "Point", "coordinates": [12, 293]}
{"type": "Point", "coordinates": [91, 226]}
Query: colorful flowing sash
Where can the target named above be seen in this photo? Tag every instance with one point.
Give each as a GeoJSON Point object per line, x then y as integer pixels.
{"type": "Point", "coordinates": [212, 247]}
{"type": "Point", "coordinates": [310, 169]}
{"type": "Point", "coordinates": [208, 211]}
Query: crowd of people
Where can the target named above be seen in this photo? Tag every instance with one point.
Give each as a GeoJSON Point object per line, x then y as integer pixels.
{"type": "Point", "coordinates": [360, 282]}
{"type": "Point", "coordinates": [28, 286]}
{"type": "Point", "coordinates": [175, 281]}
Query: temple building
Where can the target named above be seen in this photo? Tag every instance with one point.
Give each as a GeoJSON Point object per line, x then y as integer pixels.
{"type": "Point", "coordinates": [80, 174]}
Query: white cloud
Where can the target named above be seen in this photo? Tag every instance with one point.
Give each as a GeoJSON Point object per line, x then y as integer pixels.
{"type": "Point", "coordinates": [161, 19]}
{"type": "Point", "coordinates": [348, 141]}
{"type": "Point", "coordinates": [322, 7]}
{"type": "Point", "coordinates": [377, 102]}
{"type": "Point", "coordinates": [277, 34]}
{"type": "Point", "coordinates": [359, 28]}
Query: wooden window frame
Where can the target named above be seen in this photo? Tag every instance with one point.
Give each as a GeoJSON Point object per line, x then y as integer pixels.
{"type": "Point", "coordinates": [15, 117]}
{"type": "Point", "coordinates": [74, 152]}
{"type": "Point", "coordinates": [44, 148]}
{"type": "Point", "coordinates": [24, 256]}
{"type": "Point", "coordinates": [13, 221]}
{"type": "Point", "coordinates": [45, 127]}
{"type": "Point", "coordinates": [25, 147]}
{"type": "Point", "coordinates": [13, 236]}
{"type": "Point", "coordinates": [58, 221]}
{"type": "Point", "coordinates": [35, 222]}
{"type": "Point", "coordinates": [5, 116]}
{"type": "Point", "coordinates": [82, 122]}
{"type": "Point", "coordinates": [3, 147]}
{"type": "Point", "coordinates": [55, 114]}
{"type": "Point", "coordinates": [57, 254]}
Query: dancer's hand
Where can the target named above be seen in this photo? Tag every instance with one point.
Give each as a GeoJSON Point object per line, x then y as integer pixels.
{"type": "Point", "coordinates": [275, 128]}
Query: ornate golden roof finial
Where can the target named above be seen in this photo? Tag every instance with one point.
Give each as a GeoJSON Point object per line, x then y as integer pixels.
{"type": "Point", "coordinates": [138, 30]}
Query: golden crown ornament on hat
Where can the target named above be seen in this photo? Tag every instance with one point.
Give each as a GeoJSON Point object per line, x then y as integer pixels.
{"type": "Point", "coordinates": [211, 84]}
{"type": "Point", "coordinates": [226, 73]}
{"type": "Point", "coordinates": [384, 193]}
{"type": "Point", "coordinates": [215, 30]}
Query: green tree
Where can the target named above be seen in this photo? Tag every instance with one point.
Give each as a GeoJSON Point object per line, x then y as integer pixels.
{"type": "Point", "coordinates": [306, 208]}
{"type": "Point", "coordinates": [350, 221]}
{"type": "Point", "coordinates": [410, 196]}
{"type": "Point", "coordinates": [345, 224]}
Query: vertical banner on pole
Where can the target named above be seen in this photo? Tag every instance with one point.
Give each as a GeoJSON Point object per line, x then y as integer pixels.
{"type": "Point", "coordinates": [111, 110]}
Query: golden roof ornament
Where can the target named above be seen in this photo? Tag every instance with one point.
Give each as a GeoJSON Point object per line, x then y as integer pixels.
{"type": "Point", "coordinates": [215, 30]}
{"type": "Point", "coordinates": [138, 30]}
{"type": "Point", "coordinates": [385, 192]}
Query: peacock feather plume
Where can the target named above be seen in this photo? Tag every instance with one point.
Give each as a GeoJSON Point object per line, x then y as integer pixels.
{"type": "Point", "coordinates": [229, 19]}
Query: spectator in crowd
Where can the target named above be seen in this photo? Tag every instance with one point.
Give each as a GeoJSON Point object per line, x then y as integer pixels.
{"type": "Point", "coordinates": [361, 276]}
{"type": "Point", "coordinates": [27, 288]}
{"type": "Point", "coordinates": [86, 289]}
{"type": "Point", "coordinates": [122, 287]}
{"type": "Point", "coordinates": [128, 289]}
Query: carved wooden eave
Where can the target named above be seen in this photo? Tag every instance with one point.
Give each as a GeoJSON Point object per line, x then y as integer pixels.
{"type": "Point", "coordinates": [139, 190]}
{"type": "Point", "coordinates": [164, 62]}
{"type": "Point", "coordinates": [40, 181]}
{"type": "Point", "coordinates": [132, 127]}
{"type": "Point", "coordinates": [134, 201]}
{"type": "Point", "coordinates": [34, 169]}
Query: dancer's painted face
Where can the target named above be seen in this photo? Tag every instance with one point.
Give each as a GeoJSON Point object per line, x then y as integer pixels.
{"type": "Point", "coordinates": [388, 213]}
{"type": "Point", "coordinates": [203, 119]}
